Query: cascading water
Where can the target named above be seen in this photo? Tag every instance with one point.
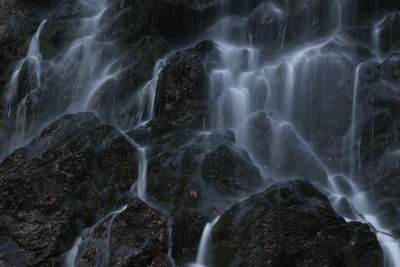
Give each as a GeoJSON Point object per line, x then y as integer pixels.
{"type": "Point", "coordinates": [68, 83]}
{"type": "Point", "coordinates": [87, 64]}
{"type": "Point", "coordinates": [285, 88]}
{"type": "Point", "coordinates": [32, 62]}
{"type": "Point", "coordinates": [201, 259]}
{"type": "Point", "coordinates": [289, 86]}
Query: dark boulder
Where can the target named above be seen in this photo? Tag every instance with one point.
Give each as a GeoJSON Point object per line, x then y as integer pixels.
{"type": "Point", "coordinates": [182, 89]}
{"type": "Point", "coordinates": [295, 226]}
{"type": "Point", "coordinates": [187, 229]}
{"type": "Point", "coordinates": [137, 236]}
{"type": "Point", "coordinates": [230, 169]}
{"type": "Point", "coordinates": [186, 171]}
{"type": "Point", "coordinates": [70, 176]}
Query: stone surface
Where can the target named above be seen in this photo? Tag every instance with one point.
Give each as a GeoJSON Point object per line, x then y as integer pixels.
{"type": "Point", "coordinates": [291, 224]}
{"type": "Point", "coordinates": [74, 173]}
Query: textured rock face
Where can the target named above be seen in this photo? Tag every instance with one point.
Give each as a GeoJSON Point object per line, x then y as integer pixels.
{"type": "Point", "coordinates": [79, 168]}
{"type": "Point", "coordinates": [72, 174]}
{"type": "Point", "coordinates": [291, 224]}
{"type": "Point", "coordinates": [231, 170]}
{"type": "Point", "coordinates": [279, 148]}
{"type": "Point", "coordinates": [138, 237]}
{"type": "Point", "coordinates": [182, 91]}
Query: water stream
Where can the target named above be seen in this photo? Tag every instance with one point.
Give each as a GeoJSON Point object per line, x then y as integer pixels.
{"type": "Point", "coordinates": [285, 86]}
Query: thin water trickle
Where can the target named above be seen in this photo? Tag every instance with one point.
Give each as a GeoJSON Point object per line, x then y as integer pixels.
{"type": "Point", "coordinates": [287, 85]}
{"type": "Point", "coordinates": [84, 240]}
{"type": "Point", "coordinates": [353, 160]}
{"type": "Point", "coordinates": [201, 258]}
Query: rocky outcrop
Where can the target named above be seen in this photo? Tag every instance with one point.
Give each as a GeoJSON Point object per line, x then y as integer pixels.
{"type": "Point", "coordinates": [291, 224]}
{"type": "Point", "coordinates": [79, 169]}
{"type": "Point", "coordinates": [195, 177]}
{"type": "Point", "coordinates": [277, 147]}
{"type": "Point", "coordinates": [137, 236]}
{"type": "Point", "coordinates": [230, 169]}
{"type": "Point", "coordinates": [74, 173]}
{"type": "Point", "coordinates": [182, 90]}
{"type": "Point", "coordinates": [184, 172]}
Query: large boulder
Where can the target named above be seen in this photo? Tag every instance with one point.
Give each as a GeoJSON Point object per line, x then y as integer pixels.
{"type": "Point", "coordinates": [70, 176]}
{"type": "Point", "coordinates": [182, 89]}
{"type": "Point", "coordinates": [186, 171]}
{"type": "Point", "coordinates": [230, 169]}
{"type": "Point", "coordinates": [187, 229]}
{"type": "Point", "coordinates": [137, 236]}
{"type": "Point", "coordinates": [295, 226]}
{"type": "Point", "coordinates": [196, 177]}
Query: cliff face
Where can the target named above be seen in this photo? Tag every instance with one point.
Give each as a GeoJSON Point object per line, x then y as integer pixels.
{"type": "Point", "coordinates": [128, 126]}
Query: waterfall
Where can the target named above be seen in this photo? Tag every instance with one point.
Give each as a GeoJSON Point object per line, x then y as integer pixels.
{"type": "Point", "coordinates": [33, 60]}
{"type": "Point", "coordinates": [204, 244]}
{"type": "Point", "coordinates": [289, 82]}
{"type": "Point", "coordinates": [354, 157]}
{"type": "Point", "coordinates": [287, 68]}
{"type": "Point", "coordinates": [32, 55]}
{"type": "Point", "coordinates": [72, 80]}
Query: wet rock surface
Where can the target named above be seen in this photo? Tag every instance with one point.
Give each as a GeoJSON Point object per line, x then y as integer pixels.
{"type": "Point", "coordinates": [64, 180]}
{"type": "Point", "coordinates": [182, 90]}
{"type": "Point", "coordinates": [278, 147]}
{"type": "Point", "coordinates": [137, 237]}
{"type": "Point", "coordinates": [79, 168]}
{"type": "Point", "coordinates": [291, 224]}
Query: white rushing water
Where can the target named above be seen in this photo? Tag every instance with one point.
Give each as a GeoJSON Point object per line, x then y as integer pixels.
{"type": "Point", "coordinates": [354, 157]}
{"type": "Point", "coordinates": [33, 61]}
{"type": "Point", "coordinates": [284, 87]}
{"type": "Point", "coordinates": [34, 58]}
{"type": "Point", "coordinates": [287, 85]}
{"type": "Point", "coordinates": [201, 258]}
{"type": "Point", "coordinates": [68, 83]}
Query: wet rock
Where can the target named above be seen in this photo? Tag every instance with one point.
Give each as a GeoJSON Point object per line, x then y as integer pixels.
{"type": "Point", "coordinates": [278, 147]}
{"type": "Point", "coordinates": [17, 22]}
{"type": "Point", "coordinates": [136, 237]}
{"type": "Point", "coordinates": [70, 176]}
{"type": "Point", "coordinates": [389, 69]}
{"type": "Point", "coordinates": [230, 169]}
{"type": "Point", "coordinates": [295, 225]}
{"type": "Point", "coordinates": [221, 136]}
{"type": "Point", "coordinates": [36, 222]}
{"type": "Point", "coordinates": [171, 171]}
{"type": "Point", "coordinates": [182, 89]}
{"type": "Point", "coordinates": [57, 133]}
{"type": "Point", "coordinates": [379, 108]}
{"type": "Point", "coordinates": [58, 30]}
{"type": "Point", "coordinates": [377, 135]}
{"type": "Point", "coordinates": [382, 179]}
{"type": "Point", "coordinates": [389, 36]}
{"type": "Point", "coordinates": [187, 228]}
{"type": "Point", "coordinates": [188, 171]}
